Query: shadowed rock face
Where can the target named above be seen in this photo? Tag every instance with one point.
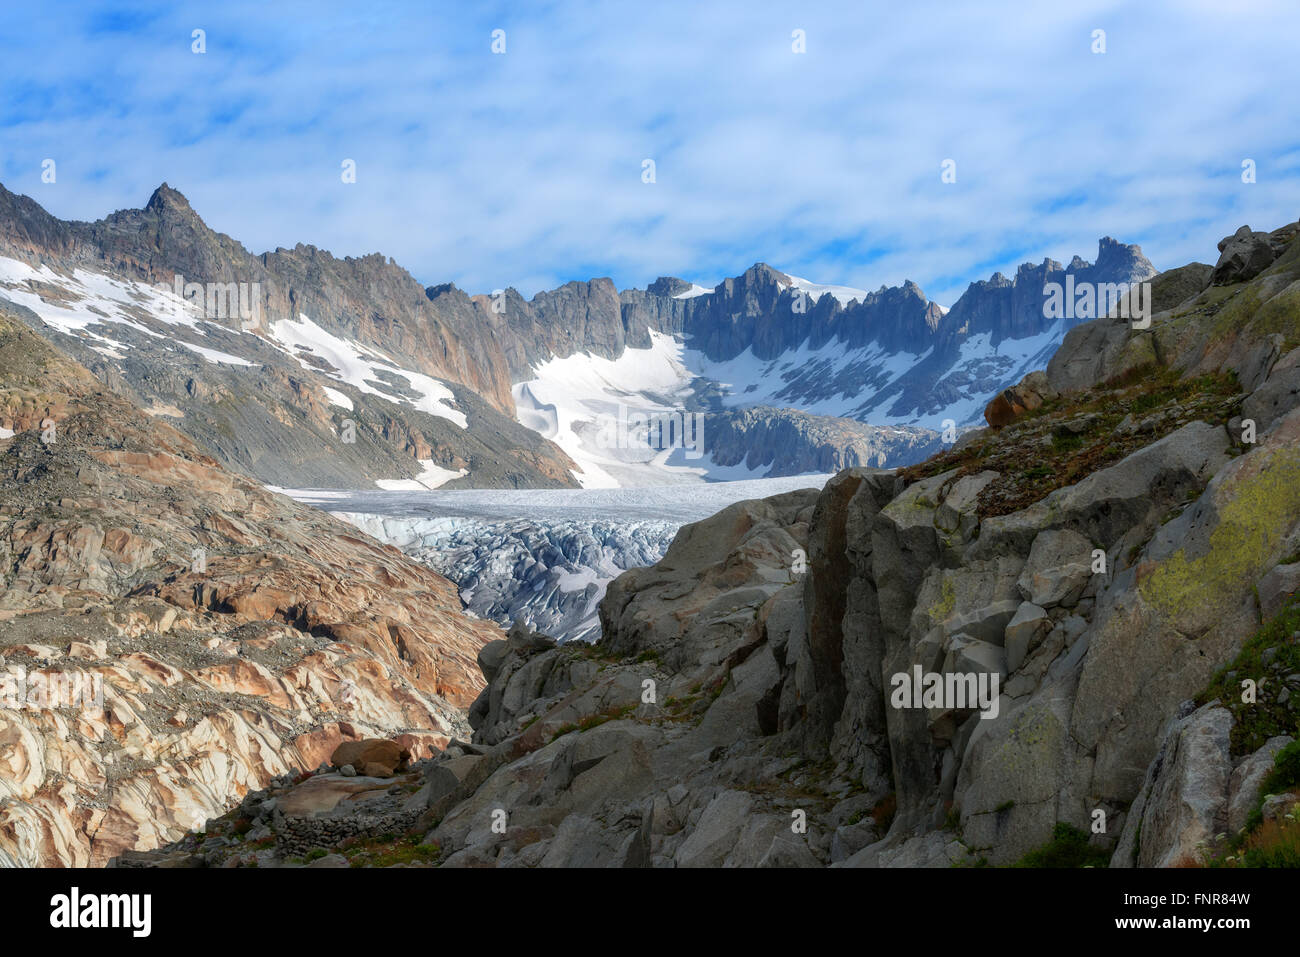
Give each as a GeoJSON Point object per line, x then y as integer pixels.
{"type": "Point", "coordinates": [239, 637]}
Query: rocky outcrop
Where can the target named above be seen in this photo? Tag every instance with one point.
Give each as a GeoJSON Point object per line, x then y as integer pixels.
{"type": "Point", "coordinates": [789, 442]}
{"type": "Point", "coordinates": [173, 635]}
{"type": "Point", "coordinates": [1244, 327]}
{"type": "Point", "coordinates": [1009, 404]}
{"type": "Point", "coordinates": [1194, 797]}
{"type": "Point", "coordinates": [1246, 253]}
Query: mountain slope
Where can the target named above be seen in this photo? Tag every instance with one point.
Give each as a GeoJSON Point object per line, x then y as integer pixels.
{"type": "Point", "coordinates": [224, 636]}
{"type": "Point", "coordinates": [292, 366]}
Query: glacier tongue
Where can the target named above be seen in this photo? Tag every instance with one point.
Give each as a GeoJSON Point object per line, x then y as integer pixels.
{"type": "Point", "coordinates": [551, 575]}
{"type": "Point", "coordinates": [543, 556]}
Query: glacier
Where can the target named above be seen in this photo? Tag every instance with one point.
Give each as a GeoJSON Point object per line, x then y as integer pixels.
{"type": "Point", "coordinates": [541, 556]}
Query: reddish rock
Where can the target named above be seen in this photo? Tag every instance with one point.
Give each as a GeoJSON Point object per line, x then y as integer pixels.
{"type": "Point", "coordinates": [373, 757]}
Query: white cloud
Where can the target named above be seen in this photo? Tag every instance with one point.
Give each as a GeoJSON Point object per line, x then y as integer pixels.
{"type": "Point", "coordinates": [525, 169]}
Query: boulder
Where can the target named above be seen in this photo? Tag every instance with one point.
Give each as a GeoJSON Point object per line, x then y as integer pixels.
{"type": "Point", "coordinates": [1009, 404]}
{"type": "Point", "coordinates": [1279, 584]}
{"type": "Point", "coordinates": [1278, 395]}
{"type": "Point", "coordinates": [1243, 255]}
{"type": "Point", "coordinates": [716, 833]}
{"type": "Point", "coordinates": [374, 757]}
{"type": "Point", "coordinates": [1243, 787]}
{"type": "Point", "coordinates": [1279, 805]}
{"type": "Point", "coordinates": [1024, 633]}
{"type": "Point", "coordinates": [1058, 568]}
{"type": "Point", "coordinates": [1183, 804]}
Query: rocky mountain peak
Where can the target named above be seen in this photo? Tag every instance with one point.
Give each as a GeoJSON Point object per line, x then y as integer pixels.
{"type": "Point", "coordinates": [668, 286]}
{"type": "Point", "coordinates": [763, 274]}
{"type": "Point", "coordinates": [166, 198]}
{"type": "Point", "coordinates": [1117, 258]}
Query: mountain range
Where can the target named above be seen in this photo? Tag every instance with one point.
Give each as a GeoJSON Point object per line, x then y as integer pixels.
{"type": "Point", "coordinates": [301, 369]}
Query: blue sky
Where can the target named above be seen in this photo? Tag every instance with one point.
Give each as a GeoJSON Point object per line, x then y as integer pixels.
{"type": "Point", "coordinates": [525, 168]}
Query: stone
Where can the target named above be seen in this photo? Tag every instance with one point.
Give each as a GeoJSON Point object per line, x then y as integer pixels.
{"type": "Point", "coordinates": [373, 756]}
{"type": "Point", "coordinates": [1247, 777]}
{"type": "Point", "coordinates": [851, 838]}
{"type": "Point", "coordinates": [1243, 255]}
{"type": "Point", "coordinates": [490, 658]}
{"type": "Point", "coordinates": [1024, 632]}
{"type": "Point", "coordinates": [1277, 395]}
{"type": "Point", "coordinates": [1276, 587]}
{"type": "Point", "coordinates": [330, 861]}
{"type": "Point", "coordinates": [717, 830]}
{"type": "Point", "coordinates": [1184, 800]}
{"type": "Point", "coordinates": [1058, 568]}
{"type": "Point", "coordinates": [1277, 806]}
{"type": "Point", "coordinates": [1010, 404]}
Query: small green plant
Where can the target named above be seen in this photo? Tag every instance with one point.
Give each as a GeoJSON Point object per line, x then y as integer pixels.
{"type": "Point", "coordinates": [1285, 775]}
{"type": "Point", "coordinates": [1270, 652]}
{"type": "Point", "coordinates": [563, 729]}
{"type": "Point", "coordinates": [390, 849]}
{"type": "Point", "coordinates": [952, 820]}
{"type": "Point", "coordinates": [1068, 847]}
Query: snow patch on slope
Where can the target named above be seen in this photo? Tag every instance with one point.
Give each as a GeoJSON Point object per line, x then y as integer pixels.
{"type": "Point", "coordinates": [90, 306]}
{"type": "Point", "coordinates": [569, 400]}
{"type": "Point", "coordinates": [802, 378]}
{"type": "Point", "coordinates": [695, 290]}
{"type": "Point", "coordinates": [216, 355]}
{"type": "Point", "coordinates": [338, 398]}
{"type": "Point", "coordinates": [815, 290]}
{"type": "Point", "coordinates": [433, 476]}
{"type": "Point", "coordinates": [362, 367]}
